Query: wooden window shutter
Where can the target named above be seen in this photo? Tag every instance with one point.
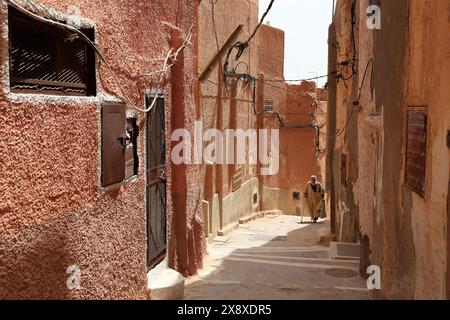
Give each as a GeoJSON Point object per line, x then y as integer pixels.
{"type": "Point", "coordinates": [416, 153]}
{"type": "Point", "coordinates": [113, 143]}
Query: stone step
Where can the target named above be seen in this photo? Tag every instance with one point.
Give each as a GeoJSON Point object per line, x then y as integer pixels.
{"type": "Point", "coordinates": [344, 251]}
{"type": "Point", "coordinates": [251, 217]}
{"type": "Point", "coordinates": [165, 284]}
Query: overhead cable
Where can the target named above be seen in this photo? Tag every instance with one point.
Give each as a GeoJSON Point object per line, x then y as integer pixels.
{"type": "Point", "coordinates": [170, 56]}
{"type": "Point", "coordinates": [241, 47]}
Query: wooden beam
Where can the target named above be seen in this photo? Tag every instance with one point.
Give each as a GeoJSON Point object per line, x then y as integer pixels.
{"type": "Point", "coordinates": [214, 60]}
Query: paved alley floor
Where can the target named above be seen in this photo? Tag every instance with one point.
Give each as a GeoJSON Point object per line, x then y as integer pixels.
{"type": "Point", "coordinates": [275, 258]}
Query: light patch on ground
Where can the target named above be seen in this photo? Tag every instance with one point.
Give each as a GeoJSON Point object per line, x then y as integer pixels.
{"type": "Point", "coordinates": [275, 257]}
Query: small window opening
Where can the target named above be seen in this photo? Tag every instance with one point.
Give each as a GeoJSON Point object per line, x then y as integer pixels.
{"type": "Point", "coordinates": [268, 105]}
{"type": "Point", "coordinates": [49, 60]}
{"type": "Point", "coordinates": [255, 198]}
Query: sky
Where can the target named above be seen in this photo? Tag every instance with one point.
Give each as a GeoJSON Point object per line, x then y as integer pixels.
{"type": "Point", "coordinates": [305, 24]}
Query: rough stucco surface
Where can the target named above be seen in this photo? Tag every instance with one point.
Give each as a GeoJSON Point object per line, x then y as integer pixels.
{"type": "Point", "coordinates": [218, 111]}
{"type": "Point", "coordinates": [408, 233]}
{"type": "Point", "coordinates": [53, 213]}
{"type": "Point", "coordinates": [299, 158]}
{"type": "Point", "coordinates": [427, 85]}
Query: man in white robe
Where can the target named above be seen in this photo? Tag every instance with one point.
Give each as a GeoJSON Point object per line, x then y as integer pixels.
{"type": "Point", "coordinates": [314, 195]}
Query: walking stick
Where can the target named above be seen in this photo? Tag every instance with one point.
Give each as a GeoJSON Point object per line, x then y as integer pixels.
{"type": "Point", "coordinates": [303, 210]}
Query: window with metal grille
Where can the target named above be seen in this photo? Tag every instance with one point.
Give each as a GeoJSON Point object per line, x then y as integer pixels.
{"type": "Point", "coordinates": [416, 152]}
{"type": "Point", "coordinates": [268, 105]}
{"type": "Point", "coordinates": [49, 60]}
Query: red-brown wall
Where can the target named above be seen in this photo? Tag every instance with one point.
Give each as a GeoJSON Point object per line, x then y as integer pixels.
{"type": "Point", "coordinates": [53, 212]}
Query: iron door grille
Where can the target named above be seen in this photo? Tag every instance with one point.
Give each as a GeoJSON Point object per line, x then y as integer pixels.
{"type": "Point", "coordinates": [47, 59]}
{"type": "Point", "coordinates": [156, 183]}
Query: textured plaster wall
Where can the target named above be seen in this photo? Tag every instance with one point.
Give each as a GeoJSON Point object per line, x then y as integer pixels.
{"type": "Point", "coordinates": [240, 203]}
{"type": "Point", "coordinates": [221, 112]}
{"type": "Point", "coordinates": [263, 59]}
{"type": "Point", "coordinates": [427, 85]}
{"type": "Point", "coordinates": [299, 158]}
{"type": "Point", "coordinates": [344, 210]}
{"type": "Point", "coordinates": [53, 213]}
{"type": "Point", "coordinates": [373, 142]}
{"type": "Point", "coordinates": [407, 233]}
{"type": "Point", "coordinates": [369, 128]}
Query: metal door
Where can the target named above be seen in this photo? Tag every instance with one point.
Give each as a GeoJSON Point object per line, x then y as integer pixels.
{"type": "Point", "coordinates": [156, 183]}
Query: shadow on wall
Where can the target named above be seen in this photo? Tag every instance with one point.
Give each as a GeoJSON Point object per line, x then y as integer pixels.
{"type": "Point", "coordinates": [34, 262]}
{"type": "Point", "coordinates": [110, 257]}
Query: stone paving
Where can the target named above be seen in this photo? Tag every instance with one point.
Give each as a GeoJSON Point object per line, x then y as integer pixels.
{"type": "Point", "coordinates": [275, 257]}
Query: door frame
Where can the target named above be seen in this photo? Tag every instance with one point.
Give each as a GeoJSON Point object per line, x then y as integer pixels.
{"type": "Point", "coordinates": [149, 95]}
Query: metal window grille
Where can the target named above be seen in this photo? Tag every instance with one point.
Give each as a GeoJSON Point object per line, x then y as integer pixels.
{"type": "Point", "coordinates": [46, 59]}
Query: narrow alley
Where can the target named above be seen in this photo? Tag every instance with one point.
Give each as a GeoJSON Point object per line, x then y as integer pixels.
{"type": "Point", "coordinates": [276, 258]}
{"type": "Point", "coordinates": [194, 150]}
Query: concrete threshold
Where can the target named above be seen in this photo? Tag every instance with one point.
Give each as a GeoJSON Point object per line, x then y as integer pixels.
{"type": "Point", "coordinates": [226, 230]}
{"type": "Point", "coordinates": [344, 251]}
{"type": "Point", "coordinates": [164, 283]}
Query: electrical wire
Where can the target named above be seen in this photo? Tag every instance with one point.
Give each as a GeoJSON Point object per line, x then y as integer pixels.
{"type": "Point", "coordinates": [276, 114]}
{"type": "Point", "coordinates": [213, 18]}
{"type": "Point", "coordinates": [273, 86]}
{"type": "Point", "coordinates": [356, 103]}
{"type": "Point", "coordinates": [241, 47]}
{"type": "Point", "coordinates": [353, 61]}
{"type": "Point", "coordinates": [94, 46]}
{"type": "Point", "coordinates": [347, 123]}
{"type": "Point", "coordinates": [297, 80]}
{"type": "Point", "coordinates": [354, 71]}
{"type": "Point", "coordinates": [371, 62]}
{"type": "Point", "coordinates": [289, 91]}
{"type": "Point", "coordinates": [261, 21]}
